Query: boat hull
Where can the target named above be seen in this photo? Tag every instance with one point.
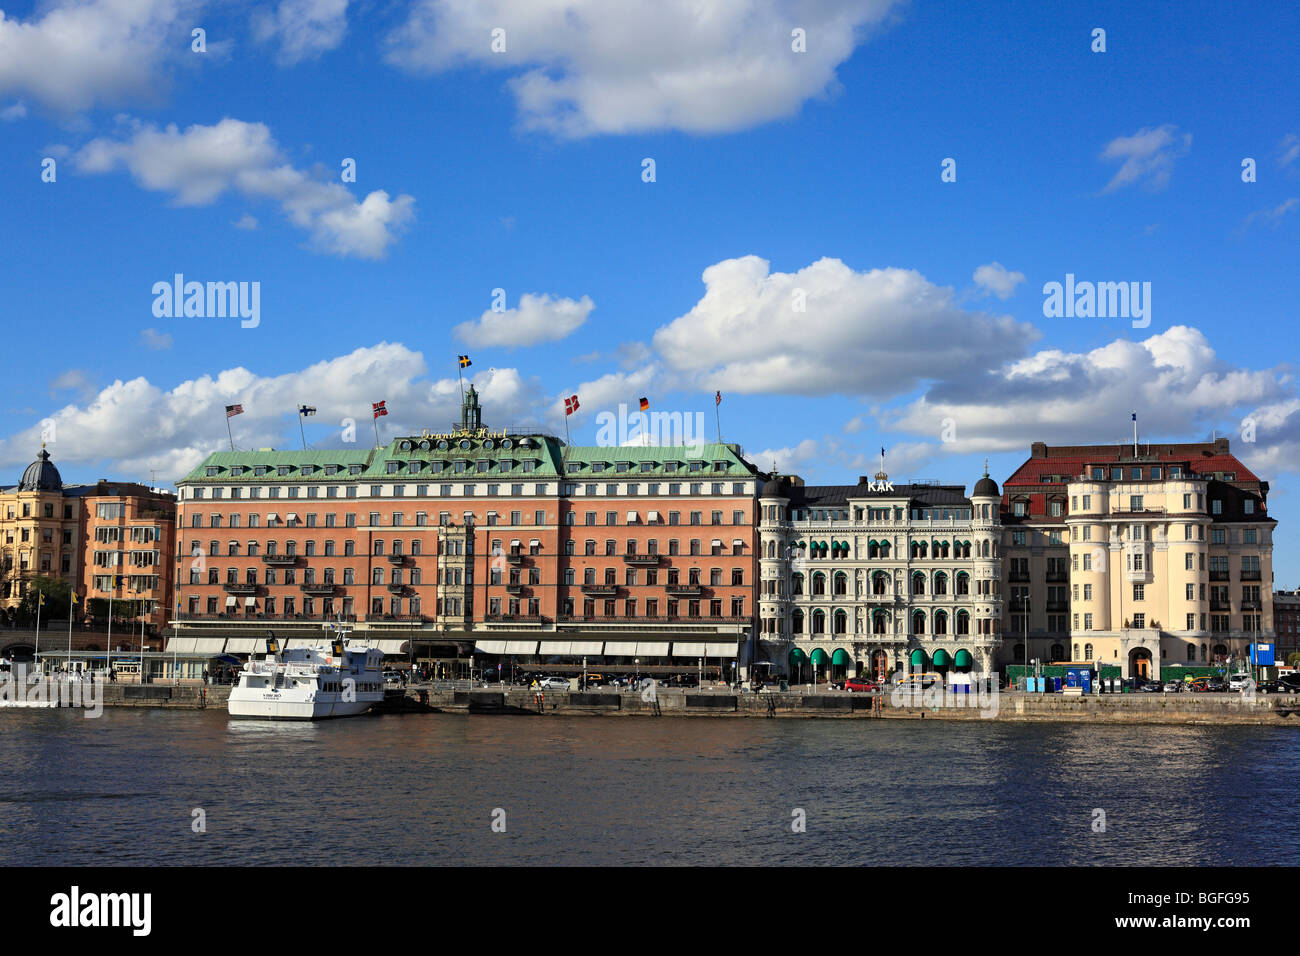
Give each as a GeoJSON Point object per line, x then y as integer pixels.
{"type": "Point", "coordinates": [280, 707]}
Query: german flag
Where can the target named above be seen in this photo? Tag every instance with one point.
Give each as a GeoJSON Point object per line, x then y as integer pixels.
{"type": "Point", "coordinates": [645, 403]}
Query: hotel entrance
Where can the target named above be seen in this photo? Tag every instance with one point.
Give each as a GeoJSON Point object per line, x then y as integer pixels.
{"type": "Point", "coordinates": [1139, 663]}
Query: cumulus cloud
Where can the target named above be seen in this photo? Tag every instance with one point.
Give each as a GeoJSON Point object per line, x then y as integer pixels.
{"type": "Point", "coordinates": [995, 279]}
{"type": "Point", "coordinates": [583, 67]}
{"type": "Point", "coordinates": [12, 113]}
{"type": "Point", "coordinates": [304, 28]}
{"type": "Point", "coordinates": [202, 163]}
{"type": "Point", "coordinates": [73, 380]}
{"type": "Point", "coordinates": [1146, 157]}
{"type": "Point", "coordinates": [1174, 380]}
{"type": "Point", "coordinates": [788, 459]}
{"type": "Point", "coordinates": [605, 393]}
{"type": "Point", "coordinates": [875, 333]}
{"type": "Point", "coordinates": [538, 318]}
{"type": "Point", "coordinates": [246, 221]}
{"type": "Point", "coordinates": [74, 54]}
{"type": "Point", "coordinates": [130, 427]}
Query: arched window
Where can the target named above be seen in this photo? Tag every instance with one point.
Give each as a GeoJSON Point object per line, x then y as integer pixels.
{"type": "Point", "coordinates": [873, 549]}
{"type": "Point", "coordinates": [963, 624]}
{"type": "Point", "coordinates": [841, 622]}
{"type": "Point", "coordinates": [963, 583]}
{"type": "Point", "coordinates": [918, 622]}
{"type": "Point", "coordinates": [797, 583]}
{"type": "Point", "coordinates": [941, 583]}
{"type": "Point", "coordinates": [840, 584]}
{"type": "Point", "coordinates": [796, 622]}
{"type": "Point", "coordinates": [880, 583]}
{"type": "Point", "coordinates": [819, 583]}
{"type": "Point", "coordinates": [918, 583]}
{"type": "Point", "coordinates": [1087, 652]}
{"type": "Point", "coordinates": [818, 623]}
{"type": "Point", "coordinates": [941, 622]}
{"type": "Point", "coordinates": [884, 549]}
{"type": "Point", "coordinates": [879, 622]}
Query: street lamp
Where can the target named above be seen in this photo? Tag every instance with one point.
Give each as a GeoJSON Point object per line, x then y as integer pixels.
{"type": "Point", "coordinates": [637, 662]}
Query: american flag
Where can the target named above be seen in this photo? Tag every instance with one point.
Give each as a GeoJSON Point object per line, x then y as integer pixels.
{"type": "Point", "coordinates": [233, 410]}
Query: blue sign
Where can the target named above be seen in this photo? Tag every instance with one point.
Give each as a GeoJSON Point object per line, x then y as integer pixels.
{"type": "Point", "coordinates": [1261, 654]}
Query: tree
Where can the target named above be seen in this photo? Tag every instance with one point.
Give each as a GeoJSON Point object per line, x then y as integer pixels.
{"type": "Point", "coordinates": [1293, 659]}
{"type": "Point", "coordinates": [57, 593]}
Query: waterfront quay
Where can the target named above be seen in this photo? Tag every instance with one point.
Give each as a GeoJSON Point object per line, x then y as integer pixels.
{"type": "Point", "coordinates": [431, 701]}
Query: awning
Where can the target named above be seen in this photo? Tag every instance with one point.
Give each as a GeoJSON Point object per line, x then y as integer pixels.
{"type": "Point", "coordinates": [652, 516]}
{"type": "Point", "coordinates": [652, 649]}
{"type": "Point", "coordinates": [291, 516]}
{"type": "Point", "coordinates": [819, 657]}
{"type": "Point", "coordinates": [720, 650]}
{"type": "Point", "coordinates": [717, 542]}
{"type": "Point", "coordinates": [240, 645]}
{"type": "Point", "coordinates": [962, 659]}
{"type": "Point", "coordinates": [631, 517]}
{"type": "Point", "coordinates": [917, 658]}
{"type": "Point", "coordinates": [555, 647]}
{"type": "Point", "coordinates": [941, 658]}
{"type": "Point", "coordinates": [620, 648]}
{"type": "Point", "coordinates": [180, 645]}
{"type": "Point", "coordinates": [587, 648]}
{"type": "Point", "coordinates": [231, 600]}
{"type": "Point", "coordinates": [392, 645]}
{"type": "Point", "coordinates": [250, 601]}
{"type": "Point", "coordinates": [841, 656]}
{"type": "Point", "coordinates": [272, 516]}
{"type": "Point", "coordinates": [797, 657]}
{"type": "Point", "coordinates": [682, 649]}
{"type": "Point", "coordinates": [521, 647]}
{"type": "Point", "coordinates": [209, 645]}
{"type": "Point", "coordinates": [490, 647]}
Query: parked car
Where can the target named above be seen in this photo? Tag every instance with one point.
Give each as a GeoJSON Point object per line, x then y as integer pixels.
{"type": "Point", "coordinates": [1240, 682]}
{"type": "Point", "coordinates": [553, 683]}
{"type": "Point", "coordinates": [392, 677]}
{"type": "Point", "coordinates": [1150, 687]}
{"type": "Point", "coordinates": [1273, 687]}
{"type": "Point", "coordinates": [1216, 685]}
{"type": "Point", "coordinates": [1174, 687]}
{"type": "Point", "coordinates": [860, 685]}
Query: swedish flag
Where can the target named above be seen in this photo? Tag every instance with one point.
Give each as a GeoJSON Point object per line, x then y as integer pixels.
{"type": "Point", "coordinates": [465, 362]}
{"type": "Point", "coordinates": [75, 602]}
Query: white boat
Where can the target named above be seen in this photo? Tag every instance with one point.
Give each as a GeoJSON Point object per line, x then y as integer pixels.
{"type": "Point", "coordinates": [333, 679]}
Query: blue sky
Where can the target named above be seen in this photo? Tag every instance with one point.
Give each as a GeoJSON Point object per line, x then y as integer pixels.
{"type": "Point", "coordinates": [522, 171]}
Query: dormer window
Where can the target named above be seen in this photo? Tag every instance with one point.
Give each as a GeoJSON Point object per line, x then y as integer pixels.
{"type": "Point", "coordinates": [392, 467]}
{"type": "Point", "coordinates": [212, 471]}
{"type": "Point", "coordinates": [331, 469]}
{"type": "Point", "coordinates": [259, 470]}
{"type": "Point", "coordinates": [282, 470]}
{"type": "Point", "coordinates": [236, 471]}
{"type": "Point", "coordinates": [306, 469]}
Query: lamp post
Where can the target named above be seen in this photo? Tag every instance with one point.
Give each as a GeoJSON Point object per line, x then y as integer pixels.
{"type": "Point", "coordinates": [637, 662]}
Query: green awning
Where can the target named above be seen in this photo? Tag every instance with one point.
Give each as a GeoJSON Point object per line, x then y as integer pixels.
{"type": "Point", "coordinates": [917, 658]}
{"type": "Point", "coordinates": [941, 658]}
{"type": "Point", "coordinates": [797, 657]}
{"type": "Point", "coordinates": [819, 657]}
{"type": "Point", "coordinates": [841, 656]}
{"type": "Point", "coordinates": [962, 659]}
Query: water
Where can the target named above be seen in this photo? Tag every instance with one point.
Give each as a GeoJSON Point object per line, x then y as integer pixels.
{"type": "Point", "coordinates": [422, 790]}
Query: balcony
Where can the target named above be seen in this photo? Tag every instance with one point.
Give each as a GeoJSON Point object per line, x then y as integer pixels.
{"type": "Point", "coordinates": [326, 588]}
{"type": "Point", "coordinates": [1058, 606]}
{"type": "Point", "coordinates": [517, 619]}
{"type": "Point", "coordinates": [395, 588]}
{"type": "Point", "coordinates": [397, 559]}
{"type": "Point", "coordinates": [1018, 577]}
{"type": "Point", "coordinates": [600, 590]}
{"type": "Point", "coordinates": [1251, 606]}
{"type": "Point", "coordinates": [642, 560]}
{"type": "Point", "coordinates": [1224, 606]}
{"type": "Point", "coordinates": [514, 588]}
{"type": "Point", "coordinates": [685, 590]}
{"type": "Point", "coordinates": [1220, 576]}
{"type": "Point", "coordinates": [231, 587]}
{"type": "Point", "coordinates": [1058, 577]}
{"type": "Point", "coordinates": [515, 557]}
{"type": "Point", "coordinates": [280, 559]}
{"type": "Point", "coordinates": [1250, 575]}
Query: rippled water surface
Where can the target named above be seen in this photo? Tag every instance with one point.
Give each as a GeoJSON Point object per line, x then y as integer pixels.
{"type": "Point", "coordinates": [416, 789]}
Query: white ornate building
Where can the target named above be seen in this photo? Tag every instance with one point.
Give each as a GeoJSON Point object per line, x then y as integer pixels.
{"type": "Point", "coordinates": [876, 578]}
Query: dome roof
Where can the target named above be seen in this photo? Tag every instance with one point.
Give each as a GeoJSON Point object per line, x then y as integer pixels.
{"type": "Point", "coordinates": [986, 487]}
{"type": "Point", "coordinates": [41, 475]}
{"type": "Point", "coordinates": [773, 489]}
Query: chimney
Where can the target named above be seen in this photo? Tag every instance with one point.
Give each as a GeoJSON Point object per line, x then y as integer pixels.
{"type": "Point", "coordinates": [1038, 449]}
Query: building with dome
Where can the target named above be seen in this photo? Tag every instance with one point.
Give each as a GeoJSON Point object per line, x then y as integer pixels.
{"type": "Point", "coordinates": [105, 539]}
{"type": "Point", "coordinates": [877, 578]}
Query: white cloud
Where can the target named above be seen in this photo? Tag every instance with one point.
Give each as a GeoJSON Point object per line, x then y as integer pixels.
{"type": "Point", "coordinates": [538, 318]}
{"type": "Point", "coordinates": [155, 341]}
{"type": "Point", "coordinates": [1288, 150]}
{"type": "Point", "coordinates": [880, 332]}
{"type": "Point", "coordinates": [994, 278]}
{"type": "Point", "coordinates": [1148, 156]}
{"type": "Point", "coordinates": [788, 459]}
{"type": "Point", "coordinates": [304, 28]}
{"type": "Point", "coordinates": [1174, 381]}
{"type": "Point", "coordinates": [604, 394]}
{"type": "Point", "coordinates": [246, 221]}
{"type": "Point", "coordinates": [74, 54]}
{"type": "Point", "coordinates": [200, 164]}
{"type": "Point", "coordinates": [73, 380]}
{"type": "Point", "coordinates": [132, 426]}
{"type": "Point", "coordinates": [1271, 217]}
{"type": "Point", "coordinates": [15, 112]}
{"type": "Point", "coordinates": [583, 67]}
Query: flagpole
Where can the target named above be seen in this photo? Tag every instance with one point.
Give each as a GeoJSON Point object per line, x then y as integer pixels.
{"type": "Point", "coordinates": [109, 640]}
{"type": "Point", "coordinates": [40, 598]}
{"type": "Point", "coordinates": [374, 420]}
{"type": "Point", "coordinates": [461, 380]}
{"type": "Point", "coordinates": [230, 434]}
{"type": "Point", "coordinates": [300, 429]}
{"type": "Point", "coordinates": [717, 419]}
{"type": "Point", "coordinates": [71, 605]}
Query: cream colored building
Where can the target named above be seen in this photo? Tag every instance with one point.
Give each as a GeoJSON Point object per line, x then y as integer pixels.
{"type": "Point", "coordinates": [1166, 555]}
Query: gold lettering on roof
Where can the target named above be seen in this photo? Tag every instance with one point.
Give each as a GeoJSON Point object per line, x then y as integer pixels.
{"type": "Point", "coordinates": [464, 433]}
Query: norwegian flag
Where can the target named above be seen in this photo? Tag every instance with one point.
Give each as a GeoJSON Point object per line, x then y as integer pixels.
{"type": "Point", "coordinates": [571, 405]}
{"type": "Point", "coordinates": [717, 399]}
{"type": "Point", "coordinates": [378, 408]}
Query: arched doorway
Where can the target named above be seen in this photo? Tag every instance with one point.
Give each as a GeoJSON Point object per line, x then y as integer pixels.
{"type": "Point", "coordinates": [820, 661]}
{"type": "Point", "coordinates": [918, 662]}
{"type": "Point", "coordinates": [962, 660]}
{"type": "Point", "coordinates": [840, 662]}
{"type": "Point", "coordinates": [798, 665]}
{"type": "Point", "coordinates": [1139, 663]}
{"type": "Point", "coordinates": [879, 664]}
{"type": "Point", "coordinates": [941, 661]}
